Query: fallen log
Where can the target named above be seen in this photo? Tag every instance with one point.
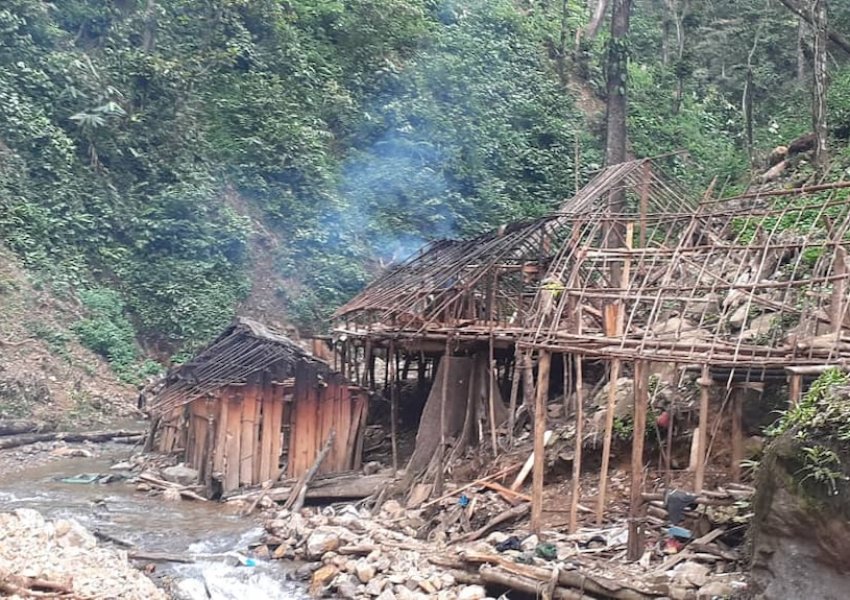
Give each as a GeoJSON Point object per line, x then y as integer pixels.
{"type": "Point", "coordinates": [593, 584]}
{"type": "Point", "coordinates": [299, 493]}
{"type": "Point", "coordinates": [471, 484]}
{"type": "Point", "coordinates": [525, 585]}
{"type": "Point", "coordinates": [92, 436]}
{"type": "Point", "coordinates": [13, 427]}
{"type": "Point", "coordinates": [181, 489]}
{"type": "Point", "coordinates": [352, 485]}
{"type": "Point", "coordinates": [516, 512]}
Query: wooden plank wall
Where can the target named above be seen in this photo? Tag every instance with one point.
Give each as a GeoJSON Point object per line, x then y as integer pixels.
{"type": "Point", "coordinates": [240, 432]}
{"type": "Point", "coordinates": [318, 409]}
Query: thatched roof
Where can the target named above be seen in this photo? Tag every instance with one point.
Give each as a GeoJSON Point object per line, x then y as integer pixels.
{"type": "Point", "coordinates": [241, 350]}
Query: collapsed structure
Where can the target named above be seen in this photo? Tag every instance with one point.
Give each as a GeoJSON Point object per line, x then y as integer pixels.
{"type": "Point", "coordinates": [253, 406]}
{"type": "Point", "coordinates": [630, 276]}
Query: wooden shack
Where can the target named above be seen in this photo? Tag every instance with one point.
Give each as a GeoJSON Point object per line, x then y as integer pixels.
{"type": "Point", "coordinates": [254, 406]}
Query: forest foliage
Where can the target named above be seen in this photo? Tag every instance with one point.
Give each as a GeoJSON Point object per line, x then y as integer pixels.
{"type": "Point", "coordinates": [355, 129]}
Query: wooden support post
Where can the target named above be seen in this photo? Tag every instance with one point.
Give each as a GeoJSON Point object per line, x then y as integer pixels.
{"type": "Point", "coordinates": [737, 432]}
{"type": "Point", "coordinates": [565, 361]}
{"type": "Point", "coordinates": [514, 393]}
{"type": "Point", "coordinates": [575, 496]}
{"type": "Point", "coordinates": [491, 388]}
{"type": "Point", "coordinates": [641, 403]}
{"type": "Point", "coordinates": [795, 389]}
{"type": "Point", "coordinates": [839, 289]}
{"type": "Point", "coordinates": [606, 445]}
{"type": "Point", "coordinates": [702, 442]}
{"type": "Point", "coordinates": [644, 201]}
{"type": "Point", "coordinates": [544, 365]}
{"type": "Point", "coordinates": [393, 404]}
{"type": "Point", "coordinates": [441, 450]}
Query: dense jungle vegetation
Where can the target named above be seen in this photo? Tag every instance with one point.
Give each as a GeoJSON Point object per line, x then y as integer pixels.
{"type": "Point", "coordinates": [142, 141]}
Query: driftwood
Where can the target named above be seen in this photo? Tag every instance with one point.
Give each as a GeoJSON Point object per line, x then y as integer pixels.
{"type": "Point", "coordinates": [259, 497]}
{"type": "Point", "coordinates": [32, 587]}
{"type": "Point", "coordinates": [593, 584]}
{"type": "Point", "coordinates": [516, 512]}
{"type": "Point", "coordinates": [92, 436]}
{"type": "Point", "coordinates": [159, 557]}
{"type": "Point", "coordinates": [472, 484]}
{"type": "Point", "coordinates": [526, 585]}
{"type": "Point", "coordinates": [13, 427]}
{"type": "Point", "coordinates": [299, 493]}
{"type": "Point", "coordinates": [181, 489]}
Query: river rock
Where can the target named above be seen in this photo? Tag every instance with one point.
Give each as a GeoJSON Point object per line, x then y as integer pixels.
{"type": "Point", "coordinates": [346, 587]}
{"type": "Point", "coordinates": [73, 535]}
{"type": "Point", "coordinates": [364, 571]}
{"type": "Point", "coordinates": [322, 540]}
{"type": "Point", "coordinates": [171, 494]}
{"type": "Point", "coordinates": [375, 586]}
{"type": "Point", "coordinates": [387, 594]}
{"type": "Point", "coordinates": [66, 452]}
{"type": "Point", "coordinates": [472, 592]}
{"type": "Point", "coordinates": [321, 578]}
{"type": "Point", "coordinates": [180, 474]}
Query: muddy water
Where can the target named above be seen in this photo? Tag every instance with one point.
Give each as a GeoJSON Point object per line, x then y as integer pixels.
{"type": "Point", "coordinates": [206, 531]}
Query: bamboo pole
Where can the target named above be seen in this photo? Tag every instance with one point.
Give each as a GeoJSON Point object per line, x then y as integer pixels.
{"type": "Point", "coordinates": [391, 353]}
{"type": "Point", "coordinates": [544, 365]}
{"type": "Point", "coordinates": [514, 394]}
{"type": "Point", "coordinates": [575, 496]}
{"type": "Point", "coordinates": [702, 442]}
{"type": "Point", "coordinates": [641, 403]}
{"type": "Point", "coordinates": [491, 388]}
{"type": "Point", "coordinates": [606, 445]}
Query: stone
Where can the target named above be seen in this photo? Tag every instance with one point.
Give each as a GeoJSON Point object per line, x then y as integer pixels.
{"type": "Point", "coordinates": [715, 589]}
{"type": "Point", "coordinates": [74, 535]}
{"type": "Point", "coordinates": [180, 474]}
{"type": "Point", "coordinates": [760, 326]}
{"type": "Point", "coordinates": [143, 487]}
{"type": "Point", "coordinates": [471, 592]}
{"type": "Point", "coordinates": [364, 571]}
{"type": "Point", "coordinates": [306, 570]}
{"type": "Point", "coordinates": [322, 578]}
{"type": "Point", "coordinates": [171, 494]}
{"type": "Point", "coordinates": [691, 574]}
{"type": "Point", "coordinates": [370, 468]}
{"type": "Point", "coordinates": [495, 538]}
{"type": "Point", "coordinates": [346, 587]}
{"type": "Point", "coordinates": [262, 552]}
{"type": "Point", "coordinates": [678, 592]}
{"type": "Point", "coordinates": [393, 509]}
{"type": "Point", "coordinates": [624, 397]}
{"type": "Point", "coordinates": [387, 594]}
{"type": "Point", "coordinates": [739, 317]}
{"type": "Point", "coordinates": [121, 466]}
{"type": "Point", "coordinates": [67, 452]}
{"type": "Point", "coordinates": [375, 586]}
{"type": "Point", "coordinates": [319, 542]}
{"type": "Point", "coordinates": [530, 543]}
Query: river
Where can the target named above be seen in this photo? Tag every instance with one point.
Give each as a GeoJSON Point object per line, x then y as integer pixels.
{"type": "Point", "coordinates": [207, 531]}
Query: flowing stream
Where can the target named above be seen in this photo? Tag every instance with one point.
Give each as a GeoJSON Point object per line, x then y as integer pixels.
{"type": "Point", "coordinates": [206, 531]}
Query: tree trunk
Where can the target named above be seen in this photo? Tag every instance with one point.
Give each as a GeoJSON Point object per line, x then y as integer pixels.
{"type": "Point", "coordinates": [819, 88]}
{"type": "Point", "coordinates": [596, 19]}
{"type": "Point", "coordinates": [149, 34]}
{"type": "Point", "coordinates": [801, 51]}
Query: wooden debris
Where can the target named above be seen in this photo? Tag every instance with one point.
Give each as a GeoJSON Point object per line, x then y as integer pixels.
{"type": "Point", "coordinates": [14, 426]}
{"type": "Point", "coordinates": [299, 493]}
{"type": "Point", "coordinates": [516, 512]}
{"type": "Point", "coordinates": [92, 436]}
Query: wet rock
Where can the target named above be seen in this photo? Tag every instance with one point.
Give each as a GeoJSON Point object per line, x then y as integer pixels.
{"type": "Point", "coordinates": [472, 592]}
{"type": "Point", "coordinates": [143, 487]}
{"type": "Point", "coordinates": [67, 452]}
{"type": "Point", "coordinates": [322, 540]}
{"type": "Point", "coordinates": [180, 474]}
{"type": "Point", "coordinates": [122, 466]}
{"type": "Point", "coordinates": [172, 495]}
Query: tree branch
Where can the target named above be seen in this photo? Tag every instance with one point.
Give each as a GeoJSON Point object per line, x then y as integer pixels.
{"type": "Point", "coordinates": [836, 38]}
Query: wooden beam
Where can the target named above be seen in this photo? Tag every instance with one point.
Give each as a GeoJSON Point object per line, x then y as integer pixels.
{"type": "Point", "coordinates": [441, 450]}
{"type": "Point", "coordinates": [543, 367]}
{"type": "Point", "coordinates": [737, 432]}
{"type": "Point", "coordinates": [606, 445]}
{"type": "Point", "coordinates": [795, 389]}
{"type": "Point", "coordinates": [702, 442]}
{"type": "Point", "coordinates": [641, 403]}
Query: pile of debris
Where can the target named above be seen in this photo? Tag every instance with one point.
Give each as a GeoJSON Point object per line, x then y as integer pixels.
{"type": "Point", "coordinates": [61, 558]}
{"type": "Point", "coordinates": [441, 551]}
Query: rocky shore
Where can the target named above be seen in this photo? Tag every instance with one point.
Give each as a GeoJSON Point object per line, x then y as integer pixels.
{"type": "Point", "coordinates": [63, 559]}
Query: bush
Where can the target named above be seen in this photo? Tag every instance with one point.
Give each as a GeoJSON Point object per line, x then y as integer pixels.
{"type": "Point", "coordinates": [107, 331]}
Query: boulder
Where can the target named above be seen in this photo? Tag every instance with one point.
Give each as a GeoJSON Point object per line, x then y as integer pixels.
{"type": "Point", "coordinates": [70, 534]}
{"type": "Point", "coordinates": [624, 397]}
{"type": "Point", "coordinates": [180, 474]}
{"type": "Point", "coordinates": [346, 587]}
{"type": "Point", "coordinates": [364, 571]}
{"type": "Point", "coordinates": [322, 578]}
{"type": "Point", "coordinates": [691, 574]}
{"type": "Point", "coordinates": [322, 540]}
